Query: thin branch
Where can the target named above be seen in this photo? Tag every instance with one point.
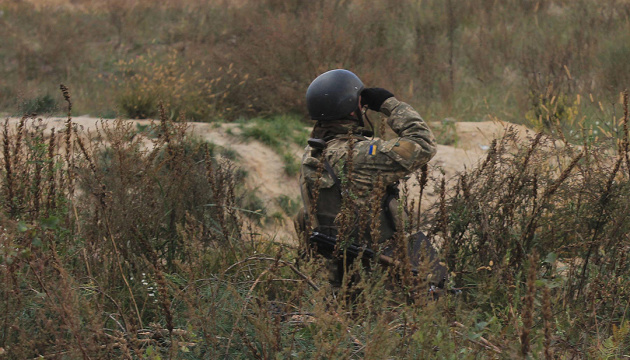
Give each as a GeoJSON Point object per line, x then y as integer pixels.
{"type": "Point", "coordinates": [282, 262]}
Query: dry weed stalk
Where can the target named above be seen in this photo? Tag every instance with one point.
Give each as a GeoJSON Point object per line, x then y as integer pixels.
{"type": "Point", "coordinates": [376, 205]}
{"type": "Point", "coordinates": [102, 191]}
{"type": "Point", "coordinates": [483, 342]}
{"type": "Point", "coordinates": [548, 319]}
{"type": "Point", "coordinates": [68, 142]}
{"type": "Point", "coordinates": [37, 179]}
{"type": "Point", "coordinates": [50, 201]}
{"type": "Point", "coordinates": [8, 168]}
{"type": "Point", "coordinates": [528, 233]}
{"type": "Point", "coordinates": [528, 306]}
{"type": "Point", "coordinates": [423, 180]}
{"type": "Point", "coordinates": [443, 220]}
{"type": "Point", "coordinates": [625, 148]}
{"type": "Point", "coordinates": [17, 150]}
{"type": "Point", "coordinates": [347, 218]}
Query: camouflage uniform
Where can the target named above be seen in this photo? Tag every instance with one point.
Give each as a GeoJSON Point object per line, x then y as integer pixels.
{"type": "Point", "coordinates": [392, 159]}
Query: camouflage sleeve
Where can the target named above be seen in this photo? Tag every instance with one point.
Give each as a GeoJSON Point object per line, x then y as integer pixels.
{"type": "Point", "coordinates": [396, 158]}
{"type": "Point", "coordinates": [408, 124]}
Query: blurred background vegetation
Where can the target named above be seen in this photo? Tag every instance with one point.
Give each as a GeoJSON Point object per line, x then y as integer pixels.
{"type": "Point", "coordinates": [221, 59]}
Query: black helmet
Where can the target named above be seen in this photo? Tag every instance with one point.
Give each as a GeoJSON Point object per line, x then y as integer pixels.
{"type": "Point", "coordinates": [333, 95]}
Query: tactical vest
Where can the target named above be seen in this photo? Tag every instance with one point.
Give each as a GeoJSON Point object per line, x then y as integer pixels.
{"type": "Point", "coordinates": [329, 203]}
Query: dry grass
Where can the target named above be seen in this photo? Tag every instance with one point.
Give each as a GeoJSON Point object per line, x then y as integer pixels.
{"type": "Point", "coordinates": [112, 249]}
{"type": "Point", "coordinates": [452, 60]}
{"type": "Point", "coordinates": [115, 245]}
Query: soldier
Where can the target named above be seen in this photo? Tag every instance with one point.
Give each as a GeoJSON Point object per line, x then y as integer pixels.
{"type": "Point", "coordinates": [344, 165]}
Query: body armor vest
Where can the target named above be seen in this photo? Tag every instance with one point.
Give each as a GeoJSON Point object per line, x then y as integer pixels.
{"type": "Point", "coordinates": [329, 203]}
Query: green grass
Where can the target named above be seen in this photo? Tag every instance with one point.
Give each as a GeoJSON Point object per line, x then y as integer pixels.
{"type": "Point", "coordinates": [41, 105]}
{"type": "Point", "coordinates": [280, 133]}
{"type": "Point", "coordinates": [288, 205]}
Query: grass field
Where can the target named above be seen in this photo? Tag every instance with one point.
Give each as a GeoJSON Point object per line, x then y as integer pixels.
{"type": "Point", "coordinates": [141, 243]}
{"type": "Point", "coordinates": [112, 250]}
{"type": "Point", "coordinates": [213, 60]}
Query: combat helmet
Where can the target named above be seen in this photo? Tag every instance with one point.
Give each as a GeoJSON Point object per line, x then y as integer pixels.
{"type": "Point", "coordinates": [333, 95]}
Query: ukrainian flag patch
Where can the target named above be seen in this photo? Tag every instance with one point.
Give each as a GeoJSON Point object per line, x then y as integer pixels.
{"type": "Point", "coordinates": [372, 150]}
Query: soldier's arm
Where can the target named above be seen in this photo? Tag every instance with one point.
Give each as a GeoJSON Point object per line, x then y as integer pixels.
{"type": "Point", "coordinates": [396, 158]}
{"type": "Point", "coordinates": [416, 144]}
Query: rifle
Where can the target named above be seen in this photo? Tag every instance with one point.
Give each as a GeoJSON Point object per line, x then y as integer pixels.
{"type": "Point", "coordinates": [326, 245]}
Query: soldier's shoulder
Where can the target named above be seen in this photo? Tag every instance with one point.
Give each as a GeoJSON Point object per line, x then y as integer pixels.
{"type": "Point", "coordinates": [337, 148]}
{"type": "Point", "coordinates": [336, 143]}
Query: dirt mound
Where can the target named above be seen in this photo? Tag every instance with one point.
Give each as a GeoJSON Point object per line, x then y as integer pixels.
{"type": "Point", "coordinates": [472, 142]}
{"type": "Point", "coordinates": [265, 167]}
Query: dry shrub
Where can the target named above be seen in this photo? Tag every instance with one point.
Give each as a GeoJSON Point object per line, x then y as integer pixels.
{"type": "Point", "coordinates": [114, 245]}
{"type": "Point", "coordinates": [286, 46]}
{"type": "Point", "coordinates": [194, 90]}
{"type": "Point", "coordinates": [92, 235]}
{"type": "Point", "coordinates": [454, 59]}
{"type": "Point", "coordinates": [145, 255]}
{"type": "Point", "coordinates": [565, 202]}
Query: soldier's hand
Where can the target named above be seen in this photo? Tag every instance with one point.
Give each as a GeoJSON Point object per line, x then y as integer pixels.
{"type": "Point", "coordinates": [374, 97]}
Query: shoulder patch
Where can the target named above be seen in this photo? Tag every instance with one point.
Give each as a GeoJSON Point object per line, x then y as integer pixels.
{"type": "Point", "coordinates": [406, 149]}
{"type": "Point", "coordinates": [372, 149]}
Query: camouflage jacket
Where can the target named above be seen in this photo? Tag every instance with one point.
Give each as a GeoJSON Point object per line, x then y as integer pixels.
{"type": "Point", "coordinates": [358, 174]}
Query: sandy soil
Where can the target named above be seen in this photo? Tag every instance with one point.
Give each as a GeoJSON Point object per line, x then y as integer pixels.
{"type": "Point", "coordinates": [266, 174]}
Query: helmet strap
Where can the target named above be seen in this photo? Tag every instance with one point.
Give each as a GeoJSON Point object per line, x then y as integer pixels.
{"type": "Point", "coordinates": [369, 122]}
{"type": "Point", "coordinates": [359, 113]}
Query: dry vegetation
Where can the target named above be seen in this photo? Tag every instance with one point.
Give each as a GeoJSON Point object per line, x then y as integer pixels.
{"type": "Point", "coordinates": [122, 243]}
{"type": "Point", "coordinates": [112, 249]}
{"type": "Point", "coordinates": [227, 59]}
